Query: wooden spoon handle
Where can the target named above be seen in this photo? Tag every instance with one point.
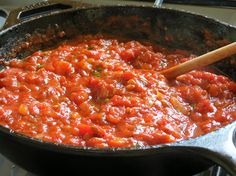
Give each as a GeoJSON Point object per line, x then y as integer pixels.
{"type": "Point", "coordinates": [200, 61]}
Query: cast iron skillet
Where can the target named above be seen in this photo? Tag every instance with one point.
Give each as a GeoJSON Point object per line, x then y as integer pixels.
{"type": "Point", "coordinates": [23, 35]}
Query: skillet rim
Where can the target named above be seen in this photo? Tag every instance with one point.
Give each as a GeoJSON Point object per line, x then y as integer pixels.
{"type": "Point", "coordinates": [133, 151]}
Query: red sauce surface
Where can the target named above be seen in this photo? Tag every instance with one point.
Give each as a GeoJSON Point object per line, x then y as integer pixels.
{"type": "Point", "coordinates": [101, 92]}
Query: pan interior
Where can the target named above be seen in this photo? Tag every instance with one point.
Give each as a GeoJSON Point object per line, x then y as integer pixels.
{"type": "Point", "coordinates": [169, 28]}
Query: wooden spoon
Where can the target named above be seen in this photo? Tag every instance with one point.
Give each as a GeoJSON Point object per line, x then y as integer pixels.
{"type": "Point", "coordinates": [200, 61]}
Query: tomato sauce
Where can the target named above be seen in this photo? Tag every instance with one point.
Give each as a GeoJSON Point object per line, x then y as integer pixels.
{"type": "Point", "coordinates": [102, 92]}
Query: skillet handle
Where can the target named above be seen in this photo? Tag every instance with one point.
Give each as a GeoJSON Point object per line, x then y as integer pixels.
{"type": "Point", "coordinates": [36, 10]}
{"type": "Point", "coordinates": [218, 146]}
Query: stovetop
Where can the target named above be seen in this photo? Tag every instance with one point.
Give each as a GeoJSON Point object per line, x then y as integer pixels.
{"type": "Point", "coordinates": [7, 168]}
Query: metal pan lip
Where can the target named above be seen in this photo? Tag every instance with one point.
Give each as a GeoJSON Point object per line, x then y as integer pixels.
{"type": "Point", "coordinates": [107, 152]}
{"type": "Point", "coordinates": [187, 12]}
